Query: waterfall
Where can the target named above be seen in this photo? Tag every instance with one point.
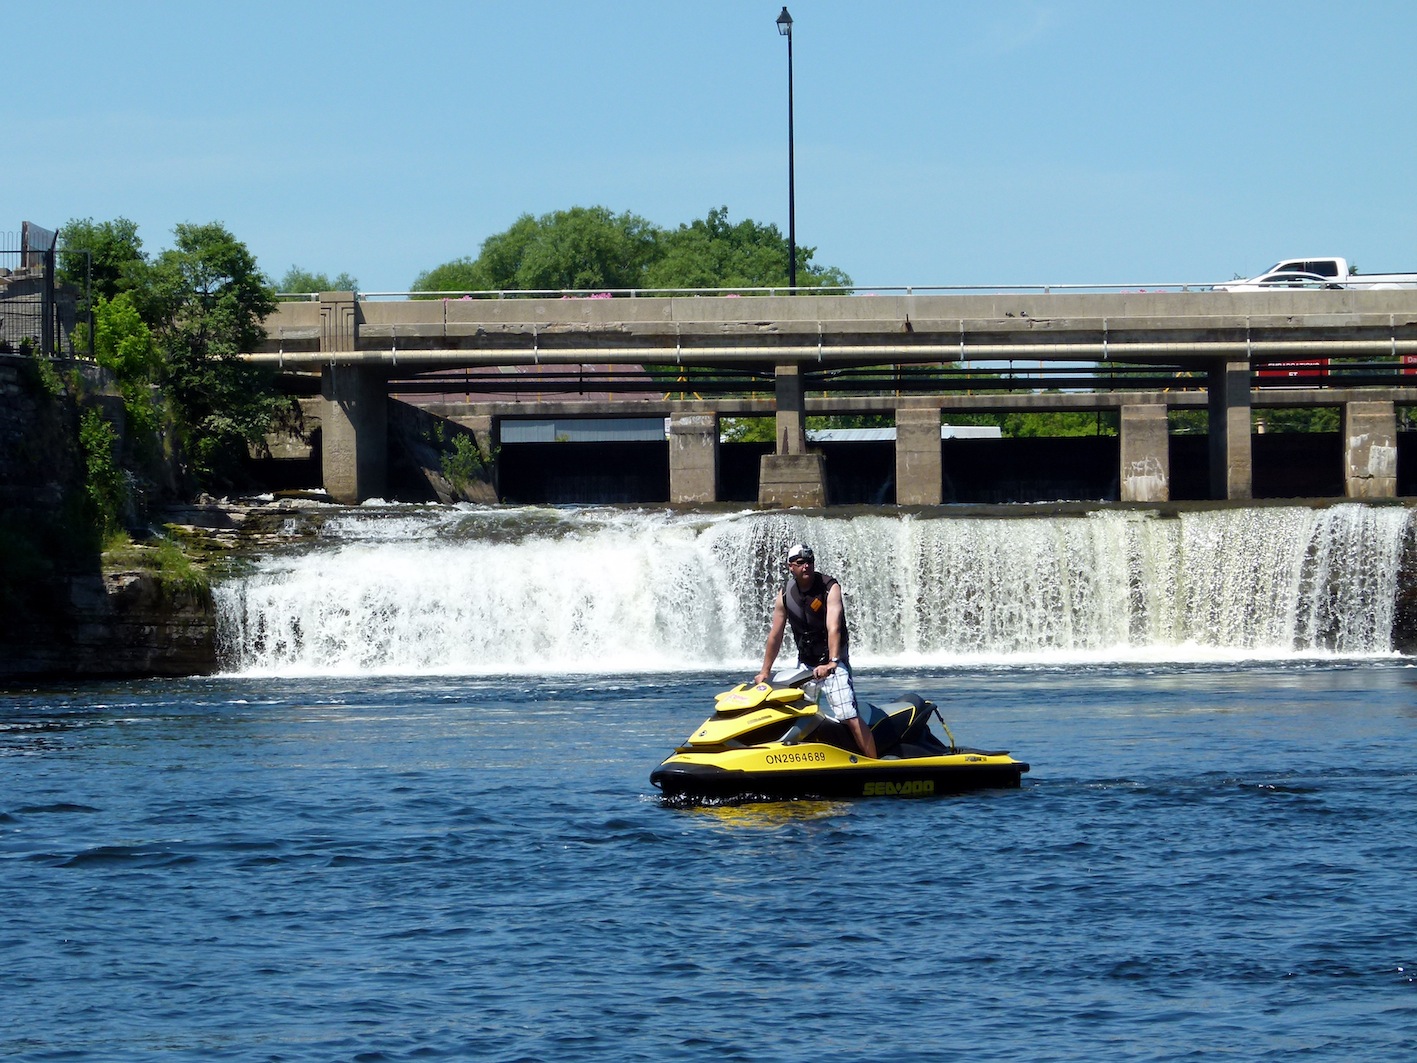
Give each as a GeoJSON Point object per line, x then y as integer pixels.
{"type": "Point", "coordinates": [468, 590]}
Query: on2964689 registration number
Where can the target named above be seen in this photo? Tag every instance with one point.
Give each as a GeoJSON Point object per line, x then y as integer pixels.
{"type": "Point", "coordinates": [798, 757]}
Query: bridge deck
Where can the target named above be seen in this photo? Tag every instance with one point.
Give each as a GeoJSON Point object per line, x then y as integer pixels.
{"type": "Point", "coordinates": [1173, 328]}
{"type": "Point", "coordinates": [1211, 347]}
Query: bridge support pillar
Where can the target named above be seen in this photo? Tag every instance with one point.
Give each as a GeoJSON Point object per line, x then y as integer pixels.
{"type": "Point", "coordinates": [1369, 450]}
{"type": "Point", "coordinates": [1145, 473]}
{"type": "Point", "coordinates": [1231, 471]}
{"type": "Point", "coordinates": [919, 468]}
{"type": "Point", "coordinates": [355, 426]}
{"type": "Point", "coordinates": [791, 417]}
{"type": "Point", "coordinates": [792, 476]}
{"type": "Point", "coordinates": [355, 434]}
{"type": "Point", "coordinates": [693, 457]}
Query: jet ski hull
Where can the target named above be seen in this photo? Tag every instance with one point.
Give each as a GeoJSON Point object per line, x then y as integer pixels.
{"type": "Point", "coordinates": [821, 771]}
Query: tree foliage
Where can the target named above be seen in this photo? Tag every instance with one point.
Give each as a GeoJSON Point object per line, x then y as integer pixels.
{"type": "Point", "coordinates": [591, 249]}
{"type": "Point", "coordinates": [104, 481]}
{"type": "Point", "coordinates": [124, 345]}
{"type": "Point", "coordinates": [1299, 419]}
{"type": "Point", "coordinates": [303, 281]}
{"type": "Point", "coordinates": [459, 275]}
{"type": "Point", "coordinates": [209, 300]}
{"type": "Point", "coordinates": [171, 328]}
{"type": "Point", "coordinates": [586, 248]}
{"type": "Point", "coordinates": [714, 253]}
{"type": "Point", "coordinates": [108, 253]}
{"type": "Point", "coordinates": [581, 249]}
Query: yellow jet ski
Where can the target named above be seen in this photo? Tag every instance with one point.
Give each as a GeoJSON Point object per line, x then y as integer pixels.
{"type": "Point", "coordinates": [769, 742]}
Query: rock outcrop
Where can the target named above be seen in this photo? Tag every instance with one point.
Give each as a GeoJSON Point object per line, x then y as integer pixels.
{"type": "Point", "coordinates": [119, 624]}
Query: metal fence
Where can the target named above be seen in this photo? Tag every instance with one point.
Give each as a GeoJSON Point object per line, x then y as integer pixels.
{"type": "Point", "coordinates": [38, 315]}
{"type": "Point", "coordinates": [855, 289]}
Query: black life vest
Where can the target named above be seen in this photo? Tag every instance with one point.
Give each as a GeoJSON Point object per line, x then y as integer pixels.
{"type": "Point", "coordinates": [807, 614]}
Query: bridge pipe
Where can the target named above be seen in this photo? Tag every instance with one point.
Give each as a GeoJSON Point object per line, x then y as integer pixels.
{"type": "Point", "coordinates": [1113, 350]}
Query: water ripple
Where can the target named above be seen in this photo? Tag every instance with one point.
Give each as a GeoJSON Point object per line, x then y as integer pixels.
{"type": "Point", "coordinates": [297, 870]}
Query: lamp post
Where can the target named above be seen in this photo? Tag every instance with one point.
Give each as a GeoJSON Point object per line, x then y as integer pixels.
{"type": "Point", "coordinates": [784, 27]}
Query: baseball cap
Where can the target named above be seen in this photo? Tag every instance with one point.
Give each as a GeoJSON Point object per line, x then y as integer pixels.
{"type": "Point", "coordinates": [800, 550]}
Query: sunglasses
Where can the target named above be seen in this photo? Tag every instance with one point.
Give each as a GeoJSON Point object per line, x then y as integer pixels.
{"type": "Point", "coordinates": [799, 560]}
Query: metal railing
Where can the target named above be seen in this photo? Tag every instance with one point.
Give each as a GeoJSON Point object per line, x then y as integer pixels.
{"type": "Point", "coordinates": [854, 289]}
{"type": "Point", "coordinates": [36, 315]}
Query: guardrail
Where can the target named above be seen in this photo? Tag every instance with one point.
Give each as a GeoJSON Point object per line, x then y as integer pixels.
{"type": "Point", "coordinates": [854, 289]}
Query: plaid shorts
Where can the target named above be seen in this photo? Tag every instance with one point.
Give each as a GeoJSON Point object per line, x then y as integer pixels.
{"type": "Point", "coordinates": [838, 697]}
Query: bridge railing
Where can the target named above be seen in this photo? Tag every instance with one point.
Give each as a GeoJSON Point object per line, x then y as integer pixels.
{"type": "Point", "coordinates": [855, 289]}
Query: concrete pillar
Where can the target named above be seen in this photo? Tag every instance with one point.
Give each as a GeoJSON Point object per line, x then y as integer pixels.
{"type": "Point", "coordinates": [791, 476]}
{"type": "Point", "coordinates": [355, 425]}
{"type": "Point", "coordinates": [791, 417]}
{"type": "Point", "coordinates": [1369, 450]}
{"type": "Point", "coordinates": [355, 434]}
{"type": "Point", "coordinates": [1145, 473]}
{"type": "Point", "coordinates": [1231, 473]}
{"type": "Point", "coordinates": [339, 321]}
{"type": "Point", "coordinates": [793, 480]}
{"type": "Point", "coordinates": [693, 457]}
{"type": "Point", "coordinates": [483, 428]}
{"type": "Point", "coordinates": [919, 468]}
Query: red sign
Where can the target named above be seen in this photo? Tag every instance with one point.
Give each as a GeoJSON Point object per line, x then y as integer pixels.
{"type": "Point", "coordinates": [1312, 367]}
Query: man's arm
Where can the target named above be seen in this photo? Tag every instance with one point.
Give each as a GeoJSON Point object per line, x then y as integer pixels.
{"type": "Point", "coordinates": [779, 624]}
{"type": "Point", "coordinates": [836, 614]}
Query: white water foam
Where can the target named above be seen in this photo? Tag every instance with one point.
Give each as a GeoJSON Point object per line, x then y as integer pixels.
{"type": "Point", "coordinates": [568, 591]}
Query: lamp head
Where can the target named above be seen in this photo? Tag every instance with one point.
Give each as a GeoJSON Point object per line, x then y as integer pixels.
{"type": "Point", "coordinates": [784, 23]}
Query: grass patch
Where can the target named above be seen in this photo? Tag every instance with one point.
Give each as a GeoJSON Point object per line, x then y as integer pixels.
{"type": "Point", "coordinates": [162, 556]}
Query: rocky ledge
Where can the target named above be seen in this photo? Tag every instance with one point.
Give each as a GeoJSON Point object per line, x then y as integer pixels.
{"type": "Point", "coordinates": [117, 624]}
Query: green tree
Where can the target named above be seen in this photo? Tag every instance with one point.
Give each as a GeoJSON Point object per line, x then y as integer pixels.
{"type": "Point", "coordinates": [124, 345]}
{"type": "Point", "coordinates": [210, 299]}
{"type": "Point", "coordinates": [109, 253]}
{"type": "Point", "coordinates": [588, 249]}
{"type": "Point", "coordinates": [594, 249]}
{"type": "Point", "coordinates": [1059, 423]}
{"type": "Point", "coordinates": [500, 257]}
{"type": "Point", "coordinates": [748, 429]}
{"type": "Point", "coordinates": [581, 249]}
{"type": "Point", "coordinates": [713, 253]}
{"type": "Point", "coordinates": [459, 275]}
{"type": "Point", "coordinates": [103, 480]}
{"type": "Point", "coordinates": [1299, 419]}
{"type": "Point", "coordinates": [297, 280]}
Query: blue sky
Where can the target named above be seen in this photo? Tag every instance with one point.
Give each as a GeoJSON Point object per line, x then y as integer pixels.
{"type": "Point", "coordinates": [937, 142]}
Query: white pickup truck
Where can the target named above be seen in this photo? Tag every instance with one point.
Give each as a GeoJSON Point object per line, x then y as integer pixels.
{"type": "Point", "coordinates": [1317, 273]}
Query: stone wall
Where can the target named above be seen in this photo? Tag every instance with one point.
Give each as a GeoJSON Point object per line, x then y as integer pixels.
{"type": "Point", "coordinates": [60, 615]}
{"type": "Point", "coordinates": [126, 624]}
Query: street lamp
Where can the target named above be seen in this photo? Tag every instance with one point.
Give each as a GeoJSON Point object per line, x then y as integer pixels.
{"type": "Point", "coordinates": [784, 27]}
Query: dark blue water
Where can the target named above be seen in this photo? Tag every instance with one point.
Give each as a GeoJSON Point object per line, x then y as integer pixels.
{"type": "Point", "coordinates": [1206, 861]}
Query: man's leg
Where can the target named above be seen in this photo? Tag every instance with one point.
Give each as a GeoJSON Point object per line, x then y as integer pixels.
{"type": "Point", "coordinates": [865, 740]}
{"type": "Point", "coordinates": [840, 694]}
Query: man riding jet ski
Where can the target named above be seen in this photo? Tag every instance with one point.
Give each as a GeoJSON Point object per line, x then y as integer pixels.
{"type": "Point", "coordinates": [812, 603]}
{"type": "Point", "coordinates": [770, 741]}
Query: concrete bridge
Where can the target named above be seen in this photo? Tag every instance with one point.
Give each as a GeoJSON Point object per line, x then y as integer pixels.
{"type": "Point", "coordinates": [1138, 352]}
